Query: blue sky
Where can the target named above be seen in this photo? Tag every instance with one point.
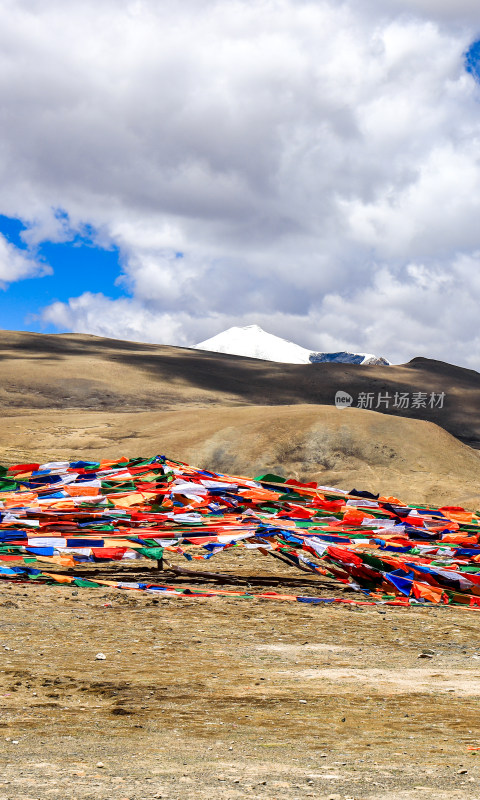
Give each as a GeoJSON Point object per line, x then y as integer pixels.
{"type": "Point", "coordinates": [77, 266]}
{"type": "Point", "coordinates": [316, 165]}
{"type": "Point", "coordinates": [472, 60]}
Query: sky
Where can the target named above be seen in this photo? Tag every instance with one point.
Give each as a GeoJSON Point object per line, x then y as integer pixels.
{"type": "Point", "coordinates": [168, 170]}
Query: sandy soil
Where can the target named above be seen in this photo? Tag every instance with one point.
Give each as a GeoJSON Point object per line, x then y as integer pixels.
{"type": "Point", "coordinates": [216, 698]}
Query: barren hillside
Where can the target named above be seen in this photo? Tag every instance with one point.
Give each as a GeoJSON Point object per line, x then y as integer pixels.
{"type": "Point", "coordinates": [66, 396]}
{"type": "Point", "coordinates": [90, 373]}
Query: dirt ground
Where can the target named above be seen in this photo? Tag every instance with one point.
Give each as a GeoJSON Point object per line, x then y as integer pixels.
{"type": "Point", "coordinates": [231, 699]}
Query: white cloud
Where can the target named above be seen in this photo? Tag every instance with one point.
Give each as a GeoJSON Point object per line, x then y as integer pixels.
{"type": "Point", "coordinates": [461, 12]}
{"type": "Point", "coordinates": [125, 318]}
{"type": "Point", "coordinates": [425, 311]}
{"type": "Point", "coordinates": [306, 159]}
{"type": "Point", "coordinates": [16, 264]}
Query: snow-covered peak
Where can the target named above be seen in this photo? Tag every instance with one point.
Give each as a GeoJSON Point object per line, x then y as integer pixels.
{"type": "Point", "coordinates": [252, 341]}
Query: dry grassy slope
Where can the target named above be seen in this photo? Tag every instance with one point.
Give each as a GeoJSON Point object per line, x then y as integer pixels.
{"type": "Point", "coordinates": [71, 395]}
{"type": "Point", "coordinates": [87, 372]}
{"type": "Point", "coordinates": [413, 459]}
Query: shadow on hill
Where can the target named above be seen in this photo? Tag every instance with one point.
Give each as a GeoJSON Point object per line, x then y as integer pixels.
{"type": "Point", "coordinates": [233, 379]}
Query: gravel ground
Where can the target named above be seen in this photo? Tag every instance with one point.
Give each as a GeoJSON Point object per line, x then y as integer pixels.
{"type": "Point", "coordinates": [227, 699]}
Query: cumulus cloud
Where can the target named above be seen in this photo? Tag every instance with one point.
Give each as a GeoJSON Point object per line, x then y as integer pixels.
{"type": "Point", "coordinates": [462, 12]}
{"type": "Point", "coordinates": [99, 315]}
{"type": "Point", "coordinates": [427, 311]}
{"type": "Point", "coordinates": [310, 166]}
{"type": "Point", "coordinates": [16, 264]}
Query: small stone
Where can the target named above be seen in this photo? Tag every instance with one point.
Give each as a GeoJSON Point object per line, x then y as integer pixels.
{"type": "Point", "coordinates": [99, 765]}
{"type": "Point", "coordinates": [100, 656]}
{"type": "Point", "coordinates": [302, 701]}
{"type": "Point", "coordinates": [15, 741]}
{"type": "Point", "coordinates": [425, 655]}
{"type": "Point", "coordinates": [462, 771]}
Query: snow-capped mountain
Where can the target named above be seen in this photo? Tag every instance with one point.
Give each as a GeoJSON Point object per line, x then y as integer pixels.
{"type": "Point", "coordinates": [253, 342]}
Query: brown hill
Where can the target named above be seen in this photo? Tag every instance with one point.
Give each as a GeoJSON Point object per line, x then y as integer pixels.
{"type": "Point", "coordinates": [88, 372]}
{"type": "Point", "coordinates": [412, 459]}
{"type": "Point", "coordinates": [76, 395]}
